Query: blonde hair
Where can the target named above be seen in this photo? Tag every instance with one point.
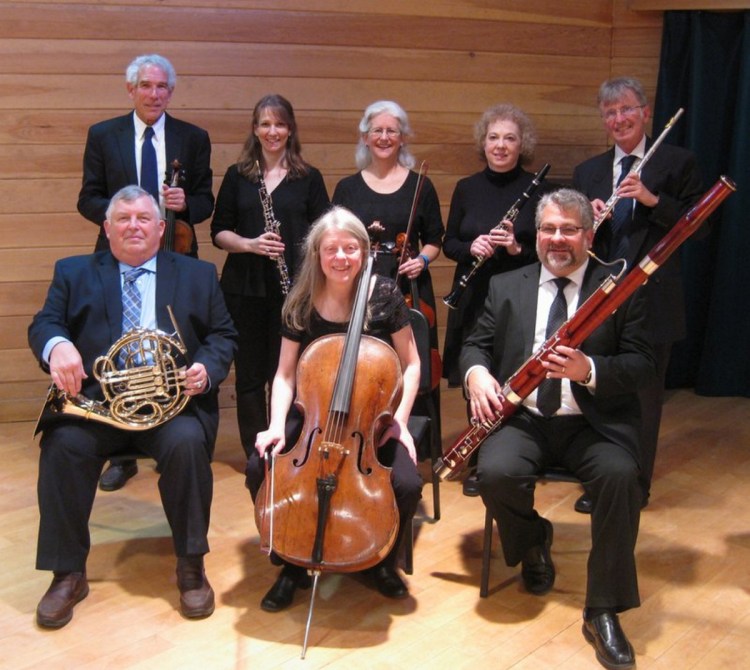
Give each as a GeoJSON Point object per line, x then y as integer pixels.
{"type": "Point", "coordinates": [310, 281]}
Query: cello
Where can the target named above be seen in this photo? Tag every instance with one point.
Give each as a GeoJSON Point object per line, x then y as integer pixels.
{"type": "Point", "coordinates": [178, 235]}
{"type": "Point", "coordinates": [327, 504]}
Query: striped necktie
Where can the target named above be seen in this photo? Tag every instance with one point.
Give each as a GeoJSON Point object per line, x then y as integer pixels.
{"type": "Point", "coordinates": [131, 306]}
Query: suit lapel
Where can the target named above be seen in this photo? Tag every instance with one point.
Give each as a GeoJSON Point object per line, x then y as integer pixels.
{"type": "Point", "coordinates": [166, 288]}
{"type": "Point", "coordinates": [109, 275]}
{"type": "Point", "coordinates": [172, 141]}
{"type": "Point", "coordinates": [125, 134]}
{"type": "Point", "coordinates": [528, 297]}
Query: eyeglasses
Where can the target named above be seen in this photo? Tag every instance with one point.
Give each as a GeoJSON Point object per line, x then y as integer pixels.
{"type": "Point", "coordinates": [566, 231]}
{"type": "Point", "coordinates": [390, 132]}
{"type": "Point", "coordinates": [611, 114]}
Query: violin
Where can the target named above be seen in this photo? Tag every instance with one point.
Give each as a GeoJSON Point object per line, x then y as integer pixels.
{"type": "Point", "coordinates": [178, 235]}
{"type": "Point", "coordinates": [328, 503]}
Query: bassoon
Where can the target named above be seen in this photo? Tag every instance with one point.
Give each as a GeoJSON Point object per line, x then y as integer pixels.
{"type": "Point", "coordinates": [587, 318]}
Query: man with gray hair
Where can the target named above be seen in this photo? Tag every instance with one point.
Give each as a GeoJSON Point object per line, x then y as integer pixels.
{"type": "Point", "coordinates": [650, 204]}
{"type": "Point", "coordinates": [584, 416]}
{"type": "Point", "coordinates": [139, 148]}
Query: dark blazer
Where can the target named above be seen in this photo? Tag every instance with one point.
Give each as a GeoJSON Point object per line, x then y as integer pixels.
{"type": "Point", "coordinates": [671, 173]}
{"type": "Point", "coordinates": [84, 304]}
{"type": "Point", "coordinates": [109, 165]}
{"type": "Point", "coordinates": [503, 337]}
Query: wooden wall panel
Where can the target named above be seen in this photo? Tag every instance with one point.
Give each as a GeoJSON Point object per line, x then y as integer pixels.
{"type": "Point", "coordinates": [62, 68]}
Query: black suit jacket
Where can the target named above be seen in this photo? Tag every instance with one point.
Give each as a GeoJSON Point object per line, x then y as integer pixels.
{"type": "Point", "coordinates": [109, 165]}
{"type": "Point", "coordinates": [503, 338]}
{"type": "Point", "coordinates": [84, 305]}
{"type": "Point", "coordinates": [671, 173]}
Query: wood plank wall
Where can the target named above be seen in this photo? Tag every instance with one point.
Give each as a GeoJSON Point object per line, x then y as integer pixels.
{"type": "Point", "coordinates": [62, 68]}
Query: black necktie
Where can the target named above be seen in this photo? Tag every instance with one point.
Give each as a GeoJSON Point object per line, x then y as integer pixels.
{"type": "Point", "coordinates": [548, 393]}
{"type": "Point", "coordinates": [149, 169]}
{"type": "Point", "coordinates": [622, 214]}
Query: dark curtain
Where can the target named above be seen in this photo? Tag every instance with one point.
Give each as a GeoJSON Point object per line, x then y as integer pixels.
{"type": "Point", "coordinates": [705, 68]}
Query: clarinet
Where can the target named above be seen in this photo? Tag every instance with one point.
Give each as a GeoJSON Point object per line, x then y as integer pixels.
{"type": "Point", "coordinates": [588, 317]}
{"type": "Point", "coordinates": [273, 226]}
{"type": "Point", "coordinates": [454, 297]}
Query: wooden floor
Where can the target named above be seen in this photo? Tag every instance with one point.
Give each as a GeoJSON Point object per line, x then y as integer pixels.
{"type": "Point", "coordinates": [693, 557]}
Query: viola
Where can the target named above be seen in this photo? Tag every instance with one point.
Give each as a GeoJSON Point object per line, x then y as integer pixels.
{"type": "Point", "coordinates": [414, 301]}
{"type": "Point", "coordinates": [178, 235]}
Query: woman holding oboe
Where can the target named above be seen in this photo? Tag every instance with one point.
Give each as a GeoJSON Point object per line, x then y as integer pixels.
{"type": "Point", "coordinates": [266, 204]}
{"type": "Point", "coordinates": [505, 139]}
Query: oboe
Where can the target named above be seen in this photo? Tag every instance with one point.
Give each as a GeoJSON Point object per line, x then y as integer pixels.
{"type": "Point", "coordinates": [454, 297]}
{"type": "Point", "coordinates": [610, 204]}
{"type": "Point", "coordinates": [273, 226]}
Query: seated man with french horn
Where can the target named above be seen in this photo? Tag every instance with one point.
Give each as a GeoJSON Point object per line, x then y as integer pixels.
{"type": "Point", "coordinates": [102, 337]}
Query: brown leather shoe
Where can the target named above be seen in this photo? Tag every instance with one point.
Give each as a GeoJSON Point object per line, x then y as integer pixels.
{"type": "Point", "coordinates": [55, 608]}
{"type": "Point", "coordinates": [196, 594]}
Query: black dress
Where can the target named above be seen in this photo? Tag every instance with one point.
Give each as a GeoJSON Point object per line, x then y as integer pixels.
{"type": "Point", "coordinates": [478, 204]}
{"type": "Point", "coordinates": [388, 314]}
{"type": "Point", "coordinates": [251, 283]}
{"type": "Point", "coordinates": [392, 211]}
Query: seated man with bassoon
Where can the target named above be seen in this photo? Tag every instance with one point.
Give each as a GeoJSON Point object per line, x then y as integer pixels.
{"type": "Point", "coordinates": [583, 416]}
{"type": "Point", "coordinates": [94, 303]}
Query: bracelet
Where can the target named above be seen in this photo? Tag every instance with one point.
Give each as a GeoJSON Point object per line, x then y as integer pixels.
{"type": "Point", "coordinates": [425, 259]}
{"type": "Point", "coordinates": [587, 380]}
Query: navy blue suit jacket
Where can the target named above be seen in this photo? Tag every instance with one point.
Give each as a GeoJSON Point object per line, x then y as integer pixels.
{"type": "Point", "coordinates": [109, 165]}
{"type": "Point", "coordinates": [84, 305]}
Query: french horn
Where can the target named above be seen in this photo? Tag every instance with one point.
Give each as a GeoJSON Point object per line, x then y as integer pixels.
{"type": "Point", "coordinates": [142, 377]}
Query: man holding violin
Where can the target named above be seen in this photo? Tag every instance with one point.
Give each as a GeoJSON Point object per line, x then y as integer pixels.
{"type": "Point", "coordinates": [139, 148]}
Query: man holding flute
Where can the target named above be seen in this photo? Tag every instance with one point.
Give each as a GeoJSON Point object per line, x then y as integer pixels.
{"type": "Point", "coordinates": [652, 198]}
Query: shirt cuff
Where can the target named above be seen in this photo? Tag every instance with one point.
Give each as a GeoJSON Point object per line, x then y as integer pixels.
{"type": "Point", "coordinates": [51, 344]}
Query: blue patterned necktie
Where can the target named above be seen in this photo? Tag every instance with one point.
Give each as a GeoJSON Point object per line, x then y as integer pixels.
{"type": "Point", "coordinates": [149, 169]}
{"type": "Point", "coordinates": [622, 214]}
{"type": "Point", "coordinates": [548, 392]}
{"type": "Point", "coordinates": [131, 304]}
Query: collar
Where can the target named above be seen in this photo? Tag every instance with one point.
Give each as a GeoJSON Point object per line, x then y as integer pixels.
{"type": "Point", "coordinates": [158, 127]}
{"type": "Point", "coordinates": [149, 266]}
{"type": "Point", "coordinates": [575, 277]}
{"type": "Point", "coordinates": [639, 151]}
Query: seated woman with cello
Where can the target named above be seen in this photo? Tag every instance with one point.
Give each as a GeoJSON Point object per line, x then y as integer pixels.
{"type": "Point", "coordinates": [322, 304]}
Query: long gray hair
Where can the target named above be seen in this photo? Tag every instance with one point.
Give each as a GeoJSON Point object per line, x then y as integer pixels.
{"type": "Point", "coordinates": [362, 155]}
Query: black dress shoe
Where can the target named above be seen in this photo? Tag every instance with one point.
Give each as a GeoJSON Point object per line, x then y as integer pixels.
{"type": "Point", "coordinates": [470, 486]}
{"type": "Point", "coordinates": [196, 594]}
{"type": "Point", "coordinates": [388, 582]}
{"type": "Point", "coordinates": [115, 476]}
{"type": "Point", "coordinates": [613, 650]}
{"type": "Point", "coordinates": [55, 609]}
{"type": "Point", "coordinates": [584, 504]}
{"type": "Point", "coordinates": [537, 569]}
{"type": "Point", "coordinates": [281, 594]}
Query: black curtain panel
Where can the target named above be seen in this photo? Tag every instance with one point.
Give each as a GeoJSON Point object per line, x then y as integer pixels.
{"type": "Point", "coordinates": [705, 68]}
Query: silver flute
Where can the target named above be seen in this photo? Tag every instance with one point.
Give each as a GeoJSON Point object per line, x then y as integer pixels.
{"type": "Point", "coordinates": [610, 204]}
{"type": "Point", "coordinates": [273, 225]}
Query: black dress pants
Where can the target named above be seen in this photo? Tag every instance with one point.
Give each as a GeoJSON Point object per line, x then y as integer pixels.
{"type": "Point", "coordinates": [72, 454]}
{"type": "Point", "coordinates": [508, 467]}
